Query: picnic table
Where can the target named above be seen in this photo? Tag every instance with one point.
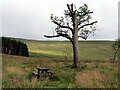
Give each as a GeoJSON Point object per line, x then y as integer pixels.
{"type": "Point", "coordinates": [43, 72]}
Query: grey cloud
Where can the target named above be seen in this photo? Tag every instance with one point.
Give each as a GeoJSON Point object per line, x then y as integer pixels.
{"type": "Point", "coordinates": [31, 18]}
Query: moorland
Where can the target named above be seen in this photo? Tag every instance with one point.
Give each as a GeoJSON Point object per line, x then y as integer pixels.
{"type": "Point", "coordinates": [95, 71]}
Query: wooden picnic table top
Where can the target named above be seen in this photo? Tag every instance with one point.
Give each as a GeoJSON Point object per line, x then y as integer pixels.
{"type": "Point", "coordinates": [42, 69]}
{"type": "Point", "coordinates": [42, 72]}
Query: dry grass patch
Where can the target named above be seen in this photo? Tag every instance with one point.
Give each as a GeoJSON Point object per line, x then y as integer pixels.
{"type": "Point", "coordinates": [51, 64]}
{"type": "Point", "coordinates": [90, 79]}
{"type": "Point", "coordinates": [112, 66]}
{"type": "Point", "coordinates": [14, 70]}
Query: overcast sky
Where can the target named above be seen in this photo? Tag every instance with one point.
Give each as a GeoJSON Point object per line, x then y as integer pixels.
{"type": "Point", "coordinates": [30, 19]}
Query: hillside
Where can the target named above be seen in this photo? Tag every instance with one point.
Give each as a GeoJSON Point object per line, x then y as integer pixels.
{"type": "Point", "coordinates": [94, 72]}
{"type": "Point", "coordinates": [89, 50]}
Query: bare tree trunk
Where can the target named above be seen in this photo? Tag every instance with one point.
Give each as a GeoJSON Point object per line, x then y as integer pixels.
{"type": "Point", "coordinates": [76, 53]}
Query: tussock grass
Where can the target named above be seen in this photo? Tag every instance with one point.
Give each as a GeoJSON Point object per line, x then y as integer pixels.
{"type": "Point", "coordinates": [91, 79]}
{"type": "Point", "coordinates": [94, 72]}
{"type": "Point", "coordinates": [13, 69]}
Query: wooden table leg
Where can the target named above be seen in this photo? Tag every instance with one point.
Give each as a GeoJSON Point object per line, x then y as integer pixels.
{"type": "Point", "coordinates": [38, 74]}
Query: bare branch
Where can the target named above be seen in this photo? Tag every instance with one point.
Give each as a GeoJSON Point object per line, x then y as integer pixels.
{"type": "Point", "coordinates": [72, 7]}
{"type": "Point", "coordinates": [62, 26]}
{"type": "Point", "coordinates": [87, 25]}
{"type": "Point", "coordinates": [81, 21]}
{"type": "Point", "coordinates": [87, 13]}
{"type": "Point", "coordinates": [82, 17]}
{"type": "Point", "coordinates": [85, 36]}
{"type": "Point", "coordinates": [51, 36]}
{"type": "Point", "coordinates": [69, 8]}
{"type": "Point", "coordinates": [60, 34]}
{"type": "Point", "coordinates": [82, 37]}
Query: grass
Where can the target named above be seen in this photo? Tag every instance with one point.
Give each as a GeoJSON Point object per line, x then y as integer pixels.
{"type": "Point", "coordinates": [17, 71]}
{"type": "Point", "coordinates": [94, 72]}
{"type": "Point", "coordinates": [89, 50]}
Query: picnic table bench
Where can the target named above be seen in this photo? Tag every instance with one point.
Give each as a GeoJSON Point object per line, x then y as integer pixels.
{"type": "Point", "coordinates": [42, 72]}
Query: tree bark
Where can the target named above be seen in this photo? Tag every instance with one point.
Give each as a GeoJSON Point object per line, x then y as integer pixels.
{"type": "Point", "coordinates": [76, 53]}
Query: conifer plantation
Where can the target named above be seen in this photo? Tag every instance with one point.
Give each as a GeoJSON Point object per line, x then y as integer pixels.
{"type": "Point", "coordinates": [14, 47]}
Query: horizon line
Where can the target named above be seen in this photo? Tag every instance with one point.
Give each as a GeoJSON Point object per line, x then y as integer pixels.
{"type": "Point", "coordinates": [60, 39]}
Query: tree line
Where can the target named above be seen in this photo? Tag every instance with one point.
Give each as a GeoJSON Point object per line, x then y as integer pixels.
{"type": "Point", "coordinates": [14, 47]}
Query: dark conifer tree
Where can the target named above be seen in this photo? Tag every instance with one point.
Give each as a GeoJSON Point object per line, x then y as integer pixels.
{"type": "Point", "coordinates": [14, 47]}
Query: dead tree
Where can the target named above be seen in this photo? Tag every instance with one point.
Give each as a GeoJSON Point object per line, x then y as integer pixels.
{"type": "Point", "coordinates": [75, 23]}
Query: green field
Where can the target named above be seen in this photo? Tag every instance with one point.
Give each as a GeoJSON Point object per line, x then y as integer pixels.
{"type": "Point", "coordinates": [94, 72]}
{"type": "Point", "coordinates": [89, 50]}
